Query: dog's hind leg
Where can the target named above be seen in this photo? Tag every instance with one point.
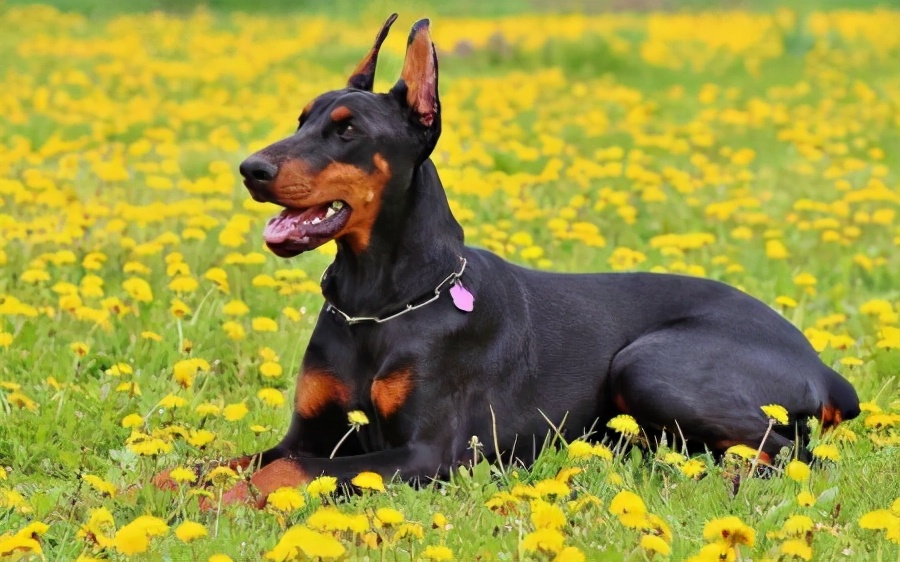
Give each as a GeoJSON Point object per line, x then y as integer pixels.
{"type": "Point", "coordinates": [710, 388]}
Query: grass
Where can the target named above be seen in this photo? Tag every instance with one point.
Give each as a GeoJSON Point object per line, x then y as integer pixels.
{"type": "Point", "coordinates": [739, 133]}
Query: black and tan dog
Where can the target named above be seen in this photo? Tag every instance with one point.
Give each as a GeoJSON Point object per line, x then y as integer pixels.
{"type": "Point", "coordinates": [438, 342]}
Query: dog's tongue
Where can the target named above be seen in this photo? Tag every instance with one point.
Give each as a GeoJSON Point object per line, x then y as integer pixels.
{"type": "Point", "coordinates": [289, 224]}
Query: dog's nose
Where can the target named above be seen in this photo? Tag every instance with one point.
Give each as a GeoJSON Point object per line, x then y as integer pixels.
{"type": "Point", "coordinates": [258, 172]}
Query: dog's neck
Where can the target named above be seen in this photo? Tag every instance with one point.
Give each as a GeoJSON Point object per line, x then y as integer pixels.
{"type": "Point", "coordinates": [416, 242]}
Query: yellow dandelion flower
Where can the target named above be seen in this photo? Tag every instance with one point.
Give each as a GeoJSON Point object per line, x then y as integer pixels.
{"type": "Point", "coordinates": [569, 554]}
{"type": "Point", "coordinates": [80, 348]}
{"type": "Point", "coordinates": [806, 499]}
{"type": "Point", "coordinates": [888, 338]}
{"type": "Point", "coordinates": [130, 387]}
{"type": "Point", "coordinates": [182, 475]}
{"type": "Point", "coordinates": [190, 531]}
{"type": "Point", "coordinates": [301, 540]}
{"type": "Point", "coordinates": [742, 451]}
{"type": "Point", "coordinates": [100, 484]}
{"type": "Point", "coordinates": [119, 369]}
{"type": "Point", "coordinates": [134, 538]}
{"type": "Point", "coordinates": [718, 551]}
{"type": "Point", "coordinates": [388, 517]}
{"type": "Point", "coordinates": [151, 336]}
{"type": "Point", "coordinates": [219, 558]}
{"type": "Point", "coordinates": [235, 412]}
{"type": "Point", "coordinates": [579, 450]}
{"type": "Point", "coordinates": [730, 530]}
{"type": "Point", "coordinates": [624, 424]}
{"type": "Point", "coordinates": [775, 250]}
{"type": "Point", "coordinates": [544, 540]}
{"type": "Point", "coordinates": [179, 309]}
{"type": "Point", "coordinates": [797, 548]}
{"type": "Point", "coordinates": [655, 545]}
{"type": "Point", "coordinates": [234, 330]}
{"type": "Point", "coordinates": [502, 503]}
{"type": "Point", "coordinates": [221, 475]}
{"type": "Point", "coordinates": [21, 401]}
{"type": "Point", "coordinates": [878, 519]}
{"type": "Point", "coordinates": [236, 308]}
{"type": "Point", "coordinates": [552, 488]}
{"type": "Point", "coordinates": [369, 481]}
{"type": "Point", "coordinates": [286, 500]}
{"type": "Point", "coordinates": [827, 451]}
{"type": "Point", "coordinates": [439, 521]}
{"type": "Point", "coordinates": [19, 545]}
{"type": "Point", "coordinates": [797, 471]}
{"type": "Point", "coordinates": [601, 451]}
{"type": "Point", "coordinates": [12, 499]}
{"type": "Point", "coordinates": [797, 525]}
{"type": "Point", "coordinates": [138, 289]}
{"type": "Point", "coordinates": [321, 486]}
{"type": "Point", "coordinates": [629, 507]}
{"type": "Point", "coordinates": [777, 413]}
{"type": "Point", "coordinates": [357, 418]}
{"type": "Point", "coordinates": [565, 475]}
{"type": "Point", "coordinates": [437, 553]}
{"type": "Point", "coordinates": [546, 515]}
{"type": "Point", "coordinates": [268, 354]}
{"type": "Point", "coordinates": [170, 401]}
{"type": "Point", "coordinates": [200, 438]}
{"type": "Point", "coordinates": [208, 409]}
{"type": "Point", "coordinates": [270, 370]}
{"type": "Point", "coordinates": [271, 397]}
{"type": "Point", "coordinates": [263, 324]}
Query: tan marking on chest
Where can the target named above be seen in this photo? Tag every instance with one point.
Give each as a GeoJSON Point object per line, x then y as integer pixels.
{"type": "Point", "coordinates": [389, 393]}
{"type": "Point", "coordinates": [317, 389]}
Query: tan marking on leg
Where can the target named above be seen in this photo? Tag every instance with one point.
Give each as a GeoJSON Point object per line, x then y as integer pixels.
{"type": "Point", "coordinates": [317, 389]}
{"type": "Point", "coordinates": [389, 393]}
{"type": "Point", "coordinates": [830, 416]}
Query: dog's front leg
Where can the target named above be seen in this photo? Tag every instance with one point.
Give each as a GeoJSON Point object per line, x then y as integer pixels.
{"type": "Point", "coordinates": [412, 462]}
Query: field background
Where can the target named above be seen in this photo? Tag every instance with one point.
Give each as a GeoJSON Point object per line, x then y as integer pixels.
{"type": "Point", "coordinates": [145, 326]}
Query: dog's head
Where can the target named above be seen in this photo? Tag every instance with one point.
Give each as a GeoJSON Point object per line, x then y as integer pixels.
{"type": "Point", "coordinates": [352, 146]}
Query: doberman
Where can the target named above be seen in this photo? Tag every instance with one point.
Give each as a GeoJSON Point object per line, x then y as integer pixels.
{"type": "Point", "coordinates": [437, 342]}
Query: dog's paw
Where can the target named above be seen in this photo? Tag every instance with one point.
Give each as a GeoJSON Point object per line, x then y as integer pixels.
{"type": "Point", "coordinates": [241, 493]}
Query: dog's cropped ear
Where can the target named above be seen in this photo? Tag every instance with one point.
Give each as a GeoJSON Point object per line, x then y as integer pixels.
{"type": "Point", "coordinates": [418, 84]}
{"type": "Point", "coordinates": [363, 78]}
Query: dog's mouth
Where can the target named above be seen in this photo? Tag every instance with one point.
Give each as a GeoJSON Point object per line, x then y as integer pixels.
{"type": "Point", "coordinates": [297, 230]}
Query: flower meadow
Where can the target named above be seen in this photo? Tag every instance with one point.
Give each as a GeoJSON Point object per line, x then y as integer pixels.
{"type": "Point", "coordinates": [144, 326]}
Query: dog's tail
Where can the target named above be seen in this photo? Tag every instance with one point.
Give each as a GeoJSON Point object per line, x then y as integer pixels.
{"type": "Point", "coordinates": [842, 403]}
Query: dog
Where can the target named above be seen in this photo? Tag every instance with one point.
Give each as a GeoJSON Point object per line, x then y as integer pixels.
{"type": "Point", "coordinates": [437, 342]}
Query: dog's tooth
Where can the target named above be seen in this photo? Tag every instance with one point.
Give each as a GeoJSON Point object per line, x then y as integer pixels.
{"type": "Point", "coordinates": [316, 220]}
{"type": "Point", "coordinates": [330, 212]}
{"type": "Point", "coordinates": [337, 205]}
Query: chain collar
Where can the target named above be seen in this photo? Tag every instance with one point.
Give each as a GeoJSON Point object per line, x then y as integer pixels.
{"type": "Point", "coordinates": [448, 281]}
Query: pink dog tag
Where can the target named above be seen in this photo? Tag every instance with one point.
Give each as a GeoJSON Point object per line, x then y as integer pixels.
{"type": "Point", "coordinates": [462, 298]}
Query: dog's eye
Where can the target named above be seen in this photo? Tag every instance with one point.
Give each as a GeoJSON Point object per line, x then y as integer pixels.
{"type": "Point", "coordinates": [344, 129]}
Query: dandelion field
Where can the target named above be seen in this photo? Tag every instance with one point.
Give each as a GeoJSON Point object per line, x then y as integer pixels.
{"type": "Point", "coordinates": [145, 326]}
